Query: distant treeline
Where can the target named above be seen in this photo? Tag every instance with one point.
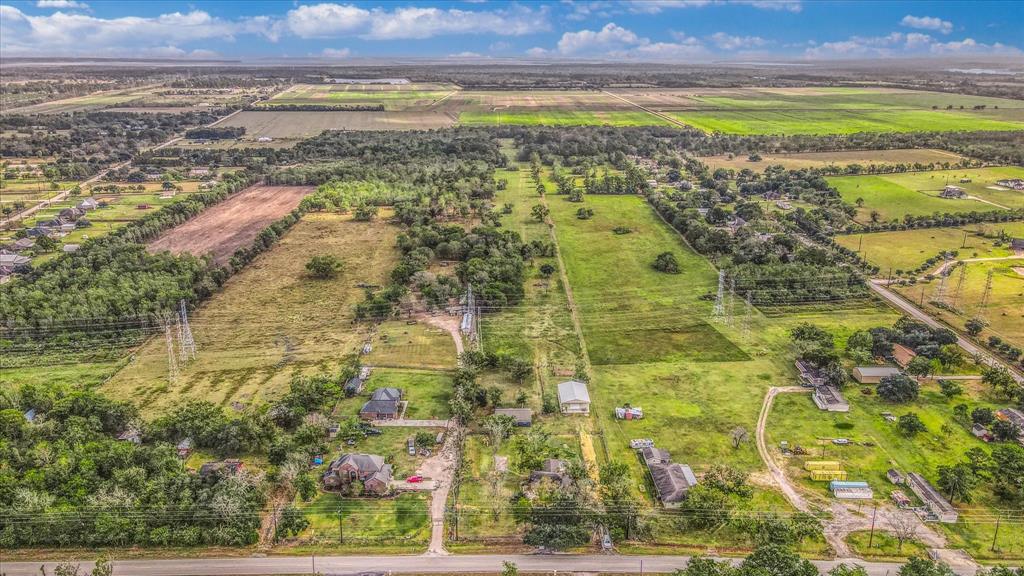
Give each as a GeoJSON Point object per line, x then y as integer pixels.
{"type": "Point", "coordinates": [317, 108]}
{"type": "Point", "coordinates": [215, 133]}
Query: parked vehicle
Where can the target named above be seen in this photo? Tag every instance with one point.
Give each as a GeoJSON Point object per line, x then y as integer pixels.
{"type": "Point", "coordinates": [414, 479]}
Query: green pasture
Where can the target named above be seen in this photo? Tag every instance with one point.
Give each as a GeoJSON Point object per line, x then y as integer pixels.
{"type": "Point", "coordinates": [401, 520]}
{"type": "Point", "coordinates": [561, 118]}
{"type": "Point", "coordinates": [908, 249]}
{"type": "Point", "coordinates": [839, 121]}
{"type": "Point", "coordinates": [892, 200]}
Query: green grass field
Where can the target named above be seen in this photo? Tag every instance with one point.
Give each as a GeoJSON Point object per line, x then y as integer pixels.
{"type": "Point", "coordinates": [562, 118]}
{"type": "Point", "coordinates": [401, 522]}
{"type": "Point", "coordinates": [839, 121]}
{"type": "Point", "coordinates": [917, 193]}
{"type": "Point", "coordinates": [908, 249]}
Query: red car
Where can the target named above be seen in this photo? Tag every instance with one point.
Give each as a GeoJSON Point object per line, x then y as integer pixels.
{"type": "Point", "coordinates": [414, 479]}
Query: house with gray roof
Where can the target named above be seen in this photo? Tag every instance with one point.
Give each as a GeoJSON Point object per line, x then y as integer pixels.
{"type": "Point", "coordinates": [370, 469]}
{"type": "Point", "coordinates": [873, 374]}
{"type": "Point", "coordinates": [522, 416]}
{"type": "Point", "coordinates": [573, 397]}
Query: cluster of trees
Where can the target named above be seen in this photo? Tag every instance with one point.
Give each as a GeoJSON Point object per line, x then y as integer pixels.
{"type": "Point", "coordinates": [817, 347]}
{"type": "Point", "coordinates": [774, 560]}
{"type": "Point", "coordinates": [317, 108]}
{"type": "Point", "coordinates": [936, 220]}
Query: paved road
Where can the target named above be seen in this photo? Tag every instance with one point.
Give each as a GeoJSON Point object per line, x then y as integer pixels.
{"type": "Point", "coordinates": [879, 287]}
{"type": "Point", "coordinates": [407, 564]}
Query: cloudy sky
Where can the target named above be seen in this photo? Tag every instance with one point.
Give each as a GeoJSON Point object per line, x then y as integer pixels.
{"type": "Point", "coordinates": [634, 30]}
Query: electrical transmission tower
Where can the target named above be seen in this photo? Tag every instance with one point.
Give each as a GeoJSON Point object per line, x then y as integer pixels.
{"type": "Point", "coordinates": [185, 339]}
{"type": "Point", "coordinates": [732, 301]}
{"type": "Point", "coordinates": [987, 292]}
{"type": "Point", "coordinates": [940, 290]}
{"type": "Point", "coordinates": [172, 362]}
{"type": "Point", "coordinates": [719, 310]}
{"type": "Point", "coordinates": [958, 291]}
{"type": "Point", "coordinates": [748, 312]}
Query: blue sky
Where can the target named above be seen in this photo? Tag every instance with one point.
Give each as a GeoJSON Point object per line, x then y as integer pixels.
{"type": "Point", "coordinates": [631, 30]}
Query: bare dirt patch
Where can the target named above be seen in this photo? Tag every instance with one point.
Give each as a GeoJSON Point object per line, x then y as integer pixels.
{"type": "Point", "coordinates": [232, 224]}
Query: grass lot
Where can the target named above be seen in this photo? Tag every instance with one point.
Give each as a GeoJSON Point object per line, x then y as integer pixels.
{"type": "Point", "coordinates": [271, 321]}
{"type": "Point", "coordinates": [765, 121]}
{"type": "Point", "coordinates": [562, 118]}
{"type": "Point", "coordinates": [402, 522]}
{"type": "Point", "coordinates": [883, 546]}
{"type": "Point", "coordinates": [908, 249]}
{"type": "Point", "coordinates": [825, 159]}
{"type": "Point", "coordinates": [917, 193]}
{"type": "Point", "coordinates": [878, 446]}
{"type": "Point", "coordinates": [1005, 310]}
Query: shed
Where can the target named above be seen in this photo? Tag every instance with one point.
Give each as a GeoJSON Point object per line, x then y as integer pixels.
{"type": "Point", "coordinates": [902, 355]}
{"type": "Point", "coordinates": [980, 432]}
{"type": "Point", "coordinates": [130, 435]}
{"type": "Point", "coordinates": [573, 397]}
{"type": "Point", "coordinates": [895, 477]}
{"type": "Point", "coordinates": [900, 499]}
{"type": "Point", "coordinates": [939, 507]}
{"type": "Point", "coordinates": [69, 248]}
{"type": "Point", "coordinates": [354, 386]}
{"type": "Point", "coordinates": [873, 374]}
{"type": "Point", "coordinates": [847, 490]}
{"type": "Point", "coordinates": [222, 467]}
{"type": "Point", "coordinates": [30, 415]}
{"type": "Point", "coordinates": [809, 374]}
{"type": "Point", "coordinates": [672, 482]}
{"type": "Point", "coordinates": [522, 416]}
{"type": "Point", "coordinates": [829, 399]}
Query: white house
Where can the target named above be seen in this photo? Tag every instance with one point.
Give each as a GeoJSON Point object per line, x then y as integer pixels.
{"type": "Point", "coordinates": [573, 397]}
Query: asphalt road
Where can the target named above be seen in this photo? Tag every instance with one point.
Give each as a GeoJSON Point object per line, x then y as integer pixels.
{"type": "Point", "coordinates": [339, 565]}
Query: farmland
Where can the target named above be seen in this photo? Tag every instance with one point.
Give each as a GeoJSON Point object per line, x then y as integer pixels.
{"type": "Point", "coordinates": [234, 222]}
{"type": "Point", "coordinates": [392, 97]}
{"type": "Point", "coordinates": [248, 354]}
{"type": "Point", "coordinates": [297, 125]}
{"type": "Point", "coordinates": [893, 196]}
{"type": "Point", "coordinates": [907, 249]}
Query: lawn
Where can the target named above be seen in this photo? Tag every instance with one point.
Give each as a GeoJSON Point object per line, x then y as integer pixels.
{"type": "Point", "coordinates": [400, 521]}
{"type": "Point", "coordinates": [908, 249]}
{"type": "Point", "coordinates": [427, 392]}
{"type": "Point", "coordinates": [272, 321]}
{"type": "Point", "coordinates": [883, 546]}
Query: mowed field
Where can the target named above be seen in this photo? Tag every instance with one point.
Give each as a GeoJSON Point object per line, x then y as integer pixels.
{"type": "Point", "coordinates": [549, 108]}
{"type": "Point", "coordinates": [826, 159]}
{"type": "Point", "coordinates": [391, 96]}
{"type": "Point", "coordinates": [231, 224]}
{"type": "Point", "coordinates": [893, 196]}
{"type": "Point", "coordinates": [272, 320]}
{"type": "Point", "coordinates": [908, 249]}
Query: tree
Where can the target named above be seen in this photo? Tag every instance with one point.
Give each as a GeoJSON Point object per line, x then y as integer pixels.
{"type": "Point", "coordinates": [918, 566]}
{"type": "Point", "coordinates": [957, 481]}
{"type": "Point", "coordinates": [950, 388]}
{"type": "Point", "coordinates": [1008, 472]}
{"type": "Point", "coordinates": [539, 212]}
{"type": "Point", "coordinates": [547, 270]}
{"type": "Point", "coordinates": [910, 424]}
{"type": "Point", "coordinates": [898, 388]}
{"type": "Point", "coordinates": [974, 326]}
{"type": "Point", "coordinates": [666, 262]}
{"type": "Point", "coordinates": [904, 528]}
{"type": "Point", "coordinates": [999, 379]}
{"type": "Point", "coordinates": [324, 266]}
{"type": "Point", "coordinates": [45, 244]}
{"type": "Point", "coordinates": [1005, 431]}
{"type": "Point", "coordinates": [920, 366]}
{"type": "Point", "coordinates": [703, 566]}
{"type": "Point", "coordinates": [982, 415]}
{"type": "Point", "coordinates": [775, 560]}
{"type": "Point", "coordinates": [738, 436]}
{"type": "Point", "coordinates": [846, 570]}
{"type": "Point", "coordinates": [498, 427]}
{"type": "Point", "coordinates": [509, 569]}
{"type": "Point", "coordinates": [585, 213]}
{"type": "Point", "coordinates": [365, 213]}
{"type": "Point", "coordinates": [424, 440]}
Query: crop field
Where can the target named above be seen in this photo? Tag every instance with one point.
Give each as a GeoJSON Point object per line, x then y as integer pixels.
{"type": "Point", "coordinates": [231, 224]}
{"type": "Point", "coordinates": [876, 446]}
{"type": "Point", "coordinates": [908, 249]}
{"type": "Point", "coordinates": [562, 118]}
{"type": "Point", "coordinates": [271, 321]}
{"type": "Point", "coordinates": [826, 159]}
{"type": "Point", "coordinates": [893, 196]}
{"type": "Point", "coordinates": [1005, 310]}
{"type": "Point", "coordinates": [393, 97]}
{"type": "Point", "coordinates": [81, 103]}
{"type": "Point", "coordinates": [827, 110]}
{"type": "Point", "coordinates": [297, 125]}
{"type": "Point", "coordinates": [549, 108]}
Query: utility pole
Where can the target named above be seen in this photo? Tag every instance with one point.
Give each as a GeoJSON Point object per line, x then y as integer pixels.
{"type": "Point", "coordinates": [871, 538]}
{"type": "Point", "coordinates": [341, 527]}
{"type": "Point", "coordinates": [940, 290]}
{"type": "Point", "coordinates": [987, 292]}
{"type": "Point", "coordinates": [732, 300]}
{"type": "Point", "coordinates": [172, 362]}
{"type": "Point", "coordinates": [719, 310]}
{"type": "Point", "coordinates": [959, 284]}
{"type": "Point", "coordinates": [188, 342]}
{"type": "Point", "coordinates": [922, 296]}
{"type": "Point", "coordinates": [964, 243]}
{"type": "Point", "coordinates": [996, 534]}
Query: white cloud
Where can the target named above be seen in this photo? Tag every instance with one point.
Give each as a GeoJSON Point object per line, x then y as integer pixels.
{"type": "Point", "coordinates": [335, 52]}
{"type": "Point", "coordinates": [614, 41]}
{"type": "Point", "coordinates": [656, 6]}
{"type": "Point", "coordinates": [537, 52]}
{"type": "Point", "coordinates": [900, 44]}
{"type": "Point", "coordinates": [927, 23]}
{"type": "Point", "coordinates": [466, 54]}
{"type": "Point", "coordinates": [729, 42]}
{"type": "Point", "coordinates": [331, 20]}
{"type": "Point", "coordinates": [611, 37]}
{"type": "Point", "coordinates": [65, 4]}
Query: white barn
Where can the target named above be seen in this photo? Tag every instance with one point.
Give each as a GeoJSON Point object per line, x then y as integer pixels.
{"type": "Point", "coordinates": [573, 397]}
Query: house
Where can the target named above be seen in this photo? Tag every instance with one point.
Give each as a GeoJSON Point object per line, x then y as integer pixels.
{"type": "Point", "coordinates": [809, 375]}
{"type": "Point", "coordinates": [370, 469]}
{"type": "Point", "coordinates": [551, 469]}
{"type": "Point", "coordinates": [384, 404]}
{"type": "Point", "coordinates": [223, 468]}
{"type": "Point", "coordinates": [902, 355]}
{"type": "Point", "coordinates": [130, 435]}
{"type": "Point", "coordinates": [873, 374]}
{"type": "Point", "coordinates": [573, 397]}
{"type": "Point", "coordinates": [981, 433]}
{"type": "Point", "coordinates": [354, 386]}
{"type": "Point", "coordinates": [22, 244]}
{"type": "Point", "coordinates": [937, 505]}
{"type": "Point", "coordinates": [952, 192]}
{"type": "Point", "coordinates": [900, 499]}
{"type": "Point", "coordinates": [1016, 417]}
{"type": "Point", "coordinates": [847, 490]}
{"type": "Point", "coordinates": [88, 204]}
{"type": "Point", "coordinates": [1012, 183]}
{"type": "Point", "coordinates": [672, 481]}
{"type": "Point", "coordinates": [71, 213]}
{"type": "Point", "coordinates": [198, 172]}
{"type": "Point", "coordinates": [69, 248]}
{"type": "Point", "coordinates": [1017, 244]}
{"type": "Point", "coordinates": [829, 399]}
{"type": "Point", "coordinates": [12, 260]}
{"type": "Point", "coordinates": [895, 477]}
{"type": "Point", "coordinates": [184, 448]}
{"type": "Point", "coordinates": [522, 416]}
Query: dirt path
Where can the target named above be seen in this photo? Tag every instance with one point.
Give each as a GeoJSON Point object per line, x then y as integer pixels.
{"type": "Point", "coordinates": [650, 111]}
{"type": "Point", "coordinates": [268, 524]}
{"type": "Point", "coordinates": [945, 265]}
{"type": "Point", "coordinates": [441, 469]}
{"type": "Point", "coordinates": [447, 323]}
{"type": "Point", "coordinates": [774, 469]}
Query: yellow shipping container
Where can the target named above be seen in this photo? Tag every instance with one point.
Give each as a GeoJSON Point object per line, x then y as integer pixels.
{"type": "Point", "coordinates": [828, 475]}
{"type": "Point", "coordinates": [822, 465]}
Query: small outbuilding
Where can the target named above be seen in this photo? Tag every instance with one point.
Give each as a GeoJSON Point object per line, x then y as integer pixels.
{"type": "Point", "coordinates": [829, 398]}
{"type": "Point", "coordinates": [895, 477]}
{"type": "Point", "coordinates": [573, 397]}
{"type": "Point", "coordinates": [937, 505]}
{"type": "Point", "coordinates": [847, 490]}
{"type": "Point", "coordinates": [902, 355]}
{"type": "Point", "coordinates": [522, 416]}
{"type": "Point", "coordinates": [184, 448]}
{"type": "Point", "coordinates": [873, 374]}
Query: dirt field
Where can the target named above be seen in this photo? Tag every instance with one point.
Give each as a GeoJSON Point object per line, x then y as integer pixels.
{"type": "Point", "coordinates": [231, 224]}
